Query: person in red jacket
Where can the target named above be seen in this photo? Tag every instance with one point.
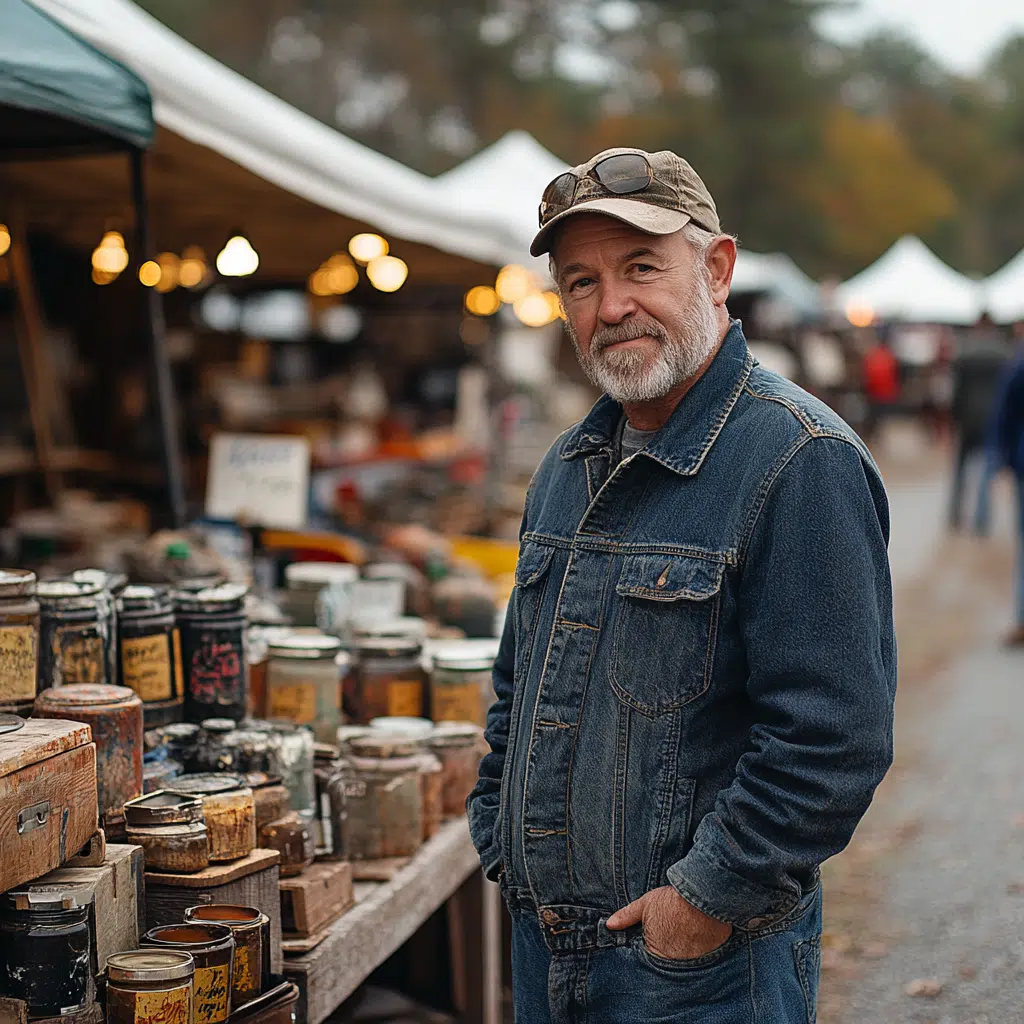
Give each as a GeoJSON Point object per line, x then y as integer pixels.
{"type": "Point", "coordinates": [881, 384]}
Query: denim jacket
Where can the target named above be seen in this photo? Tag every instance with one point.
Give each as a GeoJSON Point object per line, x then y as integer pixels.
{"type": "Point", "coordinates": [696, 678]}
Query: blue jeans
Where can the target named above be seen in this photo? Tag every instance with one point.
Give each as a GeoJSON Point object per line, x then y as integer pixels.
{"type": "Point", "coordinates": [767, 977]}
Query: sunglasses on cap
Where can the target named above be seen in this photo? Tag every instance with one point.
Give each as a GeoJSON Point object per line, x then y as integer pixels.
{"type": "Point", "coordinates": [622, 174]}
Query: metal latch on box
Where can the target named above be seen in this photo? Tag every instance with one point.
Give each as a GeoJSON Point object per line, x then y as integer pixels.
{"type": "Point", "coordinates": [33, 817]}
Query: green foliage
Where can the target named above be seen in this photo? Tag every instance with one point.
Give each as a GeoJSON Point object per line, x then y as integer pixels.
{"type": "Point", "coordinates": [827, 153]}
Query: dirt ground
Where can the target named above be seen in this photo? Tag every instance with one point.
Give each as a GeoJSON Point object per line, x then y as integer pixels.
{"type": "Point", "coordinates": [924, 912]}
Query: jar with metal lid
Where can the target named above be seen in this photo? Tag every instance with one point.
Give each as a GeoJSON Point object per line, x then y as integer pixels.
{"type": "Point", "coordinates": [251, 929]}
{"type": "Point", "coordinates": [19, 641]}
{"type": "Point", "coordinates": [211, 753]}
{"type": "Point", "coordinates": [304, 675]}
{"type": "Point", "coordinates": [388, 679]}
{"type": "Point", "coordinates": [305, 582]}
{"type": "Point", "coordinates": [460, 682]}
{"type": "Point", "coordinates": [228, 809]}
{"type": "Point", "coordinates": [150, 652]}
{"type": "Point", "coordinates": [44, 950]}
{"type": "Point", "coordinates": [293, 759]}
{"type": "Point", "coordinates": [212, 626]}
{"type": "Point", "coordinates": [115, 715]}
{"type": "Point", "coordinates": [74, 628]}
{"type": "Point", "coordinates": [212, 947]}
{"type": "Point", "coordinates": [257, 641]}
{"type": "Point", "coordinates": [459, 747]}
{"type": "Point", "coordinates": [150, 986]}
{"type": "Point", "coordinates": [376, 799]}
{"type": "Point", "coordinates": [111, 584]}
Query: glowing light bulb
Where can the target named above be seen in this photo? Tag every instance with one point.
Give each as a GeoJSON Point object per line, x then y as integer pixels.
{"type": "Point", "coordinates": [149, 273]}
{"type": "Point", "coordinates": [367, 247]}
{"type": "Point", "coordinates": [387, 273]}
{"type": "Point", "coordinates": [238, 258]}
{"type": "Point", "coordinates": [110, 256]}
{"type": "Point", "coordinates": [533, 309]}
{"type": "Point", "coordinates": [5, 239]}
{"type": "Point", "coordinates": [482, 300]}
{"type": "Point", "coordinates": [860, 316]}
{"type": "Point", "coordinates": [514, 282]}
{"type": "Point", "coordinates": [342, 275]}
{"type": "Point", "coordinates": [319, 282]}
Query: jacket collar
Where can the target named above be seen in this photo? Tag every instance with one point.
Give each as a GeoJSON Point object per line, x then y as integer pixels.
{"type": "Point", "coordinates": [685, 440]}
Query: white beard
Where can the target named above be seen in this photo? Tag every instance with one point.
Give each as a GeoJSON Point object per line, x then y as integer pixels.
{"type": "Point", "coordinates": [631, 377]}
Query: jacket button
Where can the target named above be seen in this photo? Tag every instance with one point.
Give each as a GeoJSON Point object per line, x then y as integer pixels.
{"type": "Point", "coordinates": [549, 917]}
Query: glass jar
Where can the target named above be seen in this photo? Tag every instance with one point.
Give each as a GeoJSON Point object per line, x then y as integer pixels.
{"type": "Point", "coordinates": [304, 675]}
{"type": "Point", "coordinates": [292, 747]}
{"type": "Point", "coordinates": [460, 682]}
{"type": "Point", "coordinates": [212, 625]}
{"type": "Point", "coordinates": [146, 986]}
{"type": "Point", "coordinates": [45, 950]}
{"type": "Point", "coordinates": [387, 679]}
{"type": "Point", "coordinates": [459, 747]}
{"type": "Point", "coordinates": [73, 627]}
{"type": "Point", "coordinates": [257, 641]}
{"type": "Point", "coordinates": [150, 652]}
{"type": "Point", "coordinates": [19, 641]}
{"type": "Point", "coordinates": [305, 584]}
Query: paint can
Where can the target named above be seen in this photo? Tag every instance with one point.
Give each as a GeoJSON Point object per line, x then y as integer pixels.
{"type": "Point", "coordinates": [150, 986]}
{"type": "Point", "coordinates": [251, 930]}
{"type": "Point", "coordinates": [150, 653]}
{"type": "Point", "coordinates": [74, 628]}
{"type": "Point", "coordinates": [212, 947]}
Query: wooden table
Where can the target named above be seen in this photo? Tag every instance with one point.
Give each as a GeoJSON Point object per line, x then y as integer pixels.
{"type": "Point", "coordinates": [387, 914]}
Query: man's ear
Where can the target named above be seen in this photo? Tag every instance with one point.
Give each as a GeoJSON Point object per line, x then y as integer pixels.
{"type": "Point", "coordinates": [721, 261]}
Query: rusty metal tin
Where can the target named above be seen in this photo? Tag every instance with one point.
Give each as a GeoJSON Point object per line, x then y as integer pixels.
{"type": "Point", "coordinates": [111, 584]}
{"type": "Point", "coordinates": [269, 795]}
{"type": "Point", "coordinates": [212, 947]}
{"type": "Point", "coordinates": [150, 986]}
{"type": "Point", "coordinates": [19, 641]}
{"type": "Point", "coordinates": [228, 809]}
{"type": "Point", "coordinates": [173, 849]}
{"type": "Point", "coordinates": [293, 838]}
{"type": "Point", "coordinates": [149, 649]}
{"type": "Point", "coordinates": [114, 714]}
{"type": "Point", "coordinates": [74, 627]}
{"type": "Point", "coordinates": [164, 808]}
{"type": "Point", "coordinates": [251, 930]}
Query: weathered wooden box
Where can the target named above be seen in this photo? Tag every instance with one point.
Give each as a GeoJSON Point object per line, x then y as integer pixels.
{"type": "Point", "coordinates": [48, 798]}
{"type": "Point", "coordinates": [116, 920]}
{"type": "Point", "coordinates": [316, 898]}
{"type": "Point", "coordinates": [250, 882]}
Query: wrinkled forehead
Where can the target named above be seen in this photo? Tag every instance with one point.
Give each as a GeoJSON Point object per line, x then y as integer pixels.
{"type": "Point", "coordinates": [589, 239]}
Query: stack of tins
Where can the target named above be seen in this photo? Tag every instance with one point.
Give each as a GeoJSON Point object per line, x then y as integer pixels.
{"type": "Point", "coordinates": [212, 625]}
{"type": "Point", "coordinates": [150, 652]}
{"type": "Point", "coordinates": [114, 713]}
{"type": "Point", "coordinates": [212, 948]}
{"type": "Point", "coordinates": [19, 641]}
{"type": "Point", "coordinates": [229, 812]}
{"type": "Point", "coordinates": [171, 829]}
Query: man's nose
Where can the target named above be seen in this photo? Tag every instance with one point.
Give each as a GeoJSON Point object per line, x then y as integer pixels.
{"type": "Point", "coordinates": [617, 303]}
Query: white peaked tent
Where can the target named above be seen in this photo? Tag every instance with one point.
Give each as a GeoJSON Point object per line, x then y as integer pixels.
{"type": "Point", "coordinates": [504, 180]}
{"type": "Point", "coordinates": [910, 283]}
{"type": "Point", "coordinates": [1004, 292]}
{"type": "Point", "coordinates": [779, 278]}
{"type": "Point", "coordinates": [208, 104]}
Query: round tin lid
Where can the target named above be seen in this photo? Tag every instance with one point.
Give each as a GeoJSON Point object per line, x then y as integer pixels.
{"type": "Point", "coordinates": [220, 726]}
{"type": "Point", "coordinates": [211, 599]}
{"type": "Point", "coordinates": [308, 646]}
{"type": "Point", "coordinates": [388, 646]}
{"type": "Point", "coordinates": [205, 783]}
{"type": "Point", "coordinates": [103, 579]}
{"type": "Point", "coordinates": [380, 744]}
{"type": "Point", "coordinates": [61, 591]}
{"type": "Point", "coordinates": [454, 734]}
{"type": "Point", "coordinates": [403, 627]}
{"type": "Point", "coordinates": [347, 733]}
{"type": "Point", "coordinates": [261, 780]}
{"type": "Point", "coordinates": [319, 574]}
{"type": "Point", "coordinates": [199, 936]}
{"type": "Point", "coordinates": [175, 830]}
{"type": "Point", "coordinates": [150, 965]}
{"type": "Point", "coordinates": [163, 807]}
{"type": "Point", "coordinates": [17, 583]}
{"type": "Point", "coordinates": [229, 914]}
{"type": "Point", "coordinates": [144, 598]}
{"type": "Point", "coordinates": [10, 723]}
{"type": "Point", "coordinates": [80, 695]}
{"type": "Point", "coordinates": [463, 656]}
{"type": "Point", "coordinates": [179, 731]}
{"type": "Point", "coordinates": [403, 725]}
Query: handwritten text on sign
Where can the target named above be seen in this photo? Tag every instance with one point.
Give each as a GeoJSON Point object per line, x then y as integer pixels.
{"type": "Point", "coordinates": [259, 479]}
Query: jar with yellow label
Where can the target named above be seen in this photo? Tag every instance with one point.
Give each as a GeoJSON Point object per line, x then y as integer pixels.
{"type": "Point", "coordinates": [149, 986]}
{"type": "Point", "coordinates": [388, 679]}
{"type": "Point", "coordinates": [304, 674]}
{"type": "Point", "coordinates": [73, 631]}
{"type": "Point", "coordinates": [19, 641]}
{"type": "Point", "coordinates": [460, 682]}
{"type": "Point", "coordinates": [212, 947]}
{"type": "Point", "coordinates": [149, 649]}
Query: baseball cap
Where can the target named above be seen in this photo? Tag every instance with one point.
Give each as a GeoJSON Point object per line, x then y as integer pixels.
{"type": "Point", "coordinates": [659, 202]}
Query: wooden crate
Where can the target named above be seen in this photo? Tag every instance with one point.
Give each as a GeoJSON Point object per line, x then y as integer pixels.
{"type": "Point", "coordinates": [116, 915]}
{"type": "Point", "coordinates": [250, 882]}
{"type": "Point", "coordinates": [47, 797]}
{"type": "Point", "coordinates": [312, 900]}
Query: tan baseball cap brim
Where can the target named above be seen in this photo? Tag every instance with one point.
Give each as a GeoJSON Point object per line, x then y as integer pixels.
{"type": "Point", "coordinates": [653, 220]}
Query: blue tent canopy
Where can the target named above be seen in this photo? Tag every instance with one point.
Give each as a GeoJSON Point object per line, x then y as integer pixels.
{"type": "Point", "coordinates": [58, 94]}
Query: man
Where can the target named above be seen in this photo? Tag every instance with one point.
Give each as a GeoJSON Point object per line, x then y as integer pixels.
{"type": "Point", "coordinates": [696, 679]}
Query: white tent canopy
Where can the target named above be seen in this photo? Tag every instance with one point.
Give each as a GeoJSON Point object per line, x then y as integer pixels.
{"type": "Point", "coordinates": [1004, 291]}
{"type": "Point", "coordinates": [779, 278]}
{"type": "Point", "coordinates": [909, 282]}
{"type": "Point", "coordinates": [206, 103]}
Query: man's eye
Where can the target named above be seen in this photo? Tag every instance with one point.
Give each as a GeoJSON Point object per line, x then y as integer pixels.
{"type": "Point", "coordinates": [642, 268]}
{"type": "Point", "coordinates": [580, 282]}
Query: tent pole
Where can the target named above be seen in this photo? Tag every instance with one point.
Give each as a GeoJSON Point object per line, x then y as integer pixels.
{"type": "Point", "coordinates": [156, 330]}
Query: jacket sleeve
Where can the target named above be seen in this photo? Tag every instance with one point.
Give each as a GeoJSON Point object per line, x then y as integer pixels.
{"type": "Point", "coordinates": [814, 601]}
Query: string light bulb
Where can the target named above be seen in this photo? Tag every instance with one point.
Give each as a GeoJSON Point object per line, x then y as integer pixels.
{"type": "Point", "coordinates": [149, 273]}
{"type": "Point", "coordinates": [533, 309]}
{"type": "Point", "coordinates": [109, 257]}
{"type": "Point", "coordinates": [5, 238]}
{"type": "Point", "coordinates": [335, 276]}
{"type": "Point", "coordinates": [367, 247]}
{"type": "Point", "coordinates": [238, 258]}
{"type": "Point", "coordinates": [387, 273]}
{"type": "Point", "coordinates": [482, 301]}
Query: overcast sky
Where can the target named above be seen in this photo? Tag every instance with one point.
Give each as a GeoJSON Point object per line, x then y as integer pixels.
{"type": "Point", "coordinates": [961, 33]}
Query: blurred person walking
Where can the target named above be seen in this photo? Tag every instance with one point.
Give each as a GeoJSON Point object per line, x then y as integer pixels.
{"type": "Point", "coordinates": [881, 385]}
{"type": "Point", "coordinates": [977, 370]}
{"type": "Point", "coordinates": [696, 679]}
{"type": "Point", "coordinates": [1006, 448]}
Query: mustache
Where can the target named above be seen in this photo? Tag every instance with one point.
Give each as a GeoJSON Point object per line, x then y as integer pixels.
{"type": "Point", "coordinates": [628, 330]}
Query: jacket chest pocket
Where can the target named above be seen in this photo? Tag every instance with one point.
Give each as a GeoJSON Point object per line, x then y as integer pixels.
{"type": "Point", "coordinates": [666, 624]}
{"type": "Point", "coordinates": [531, 575]}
